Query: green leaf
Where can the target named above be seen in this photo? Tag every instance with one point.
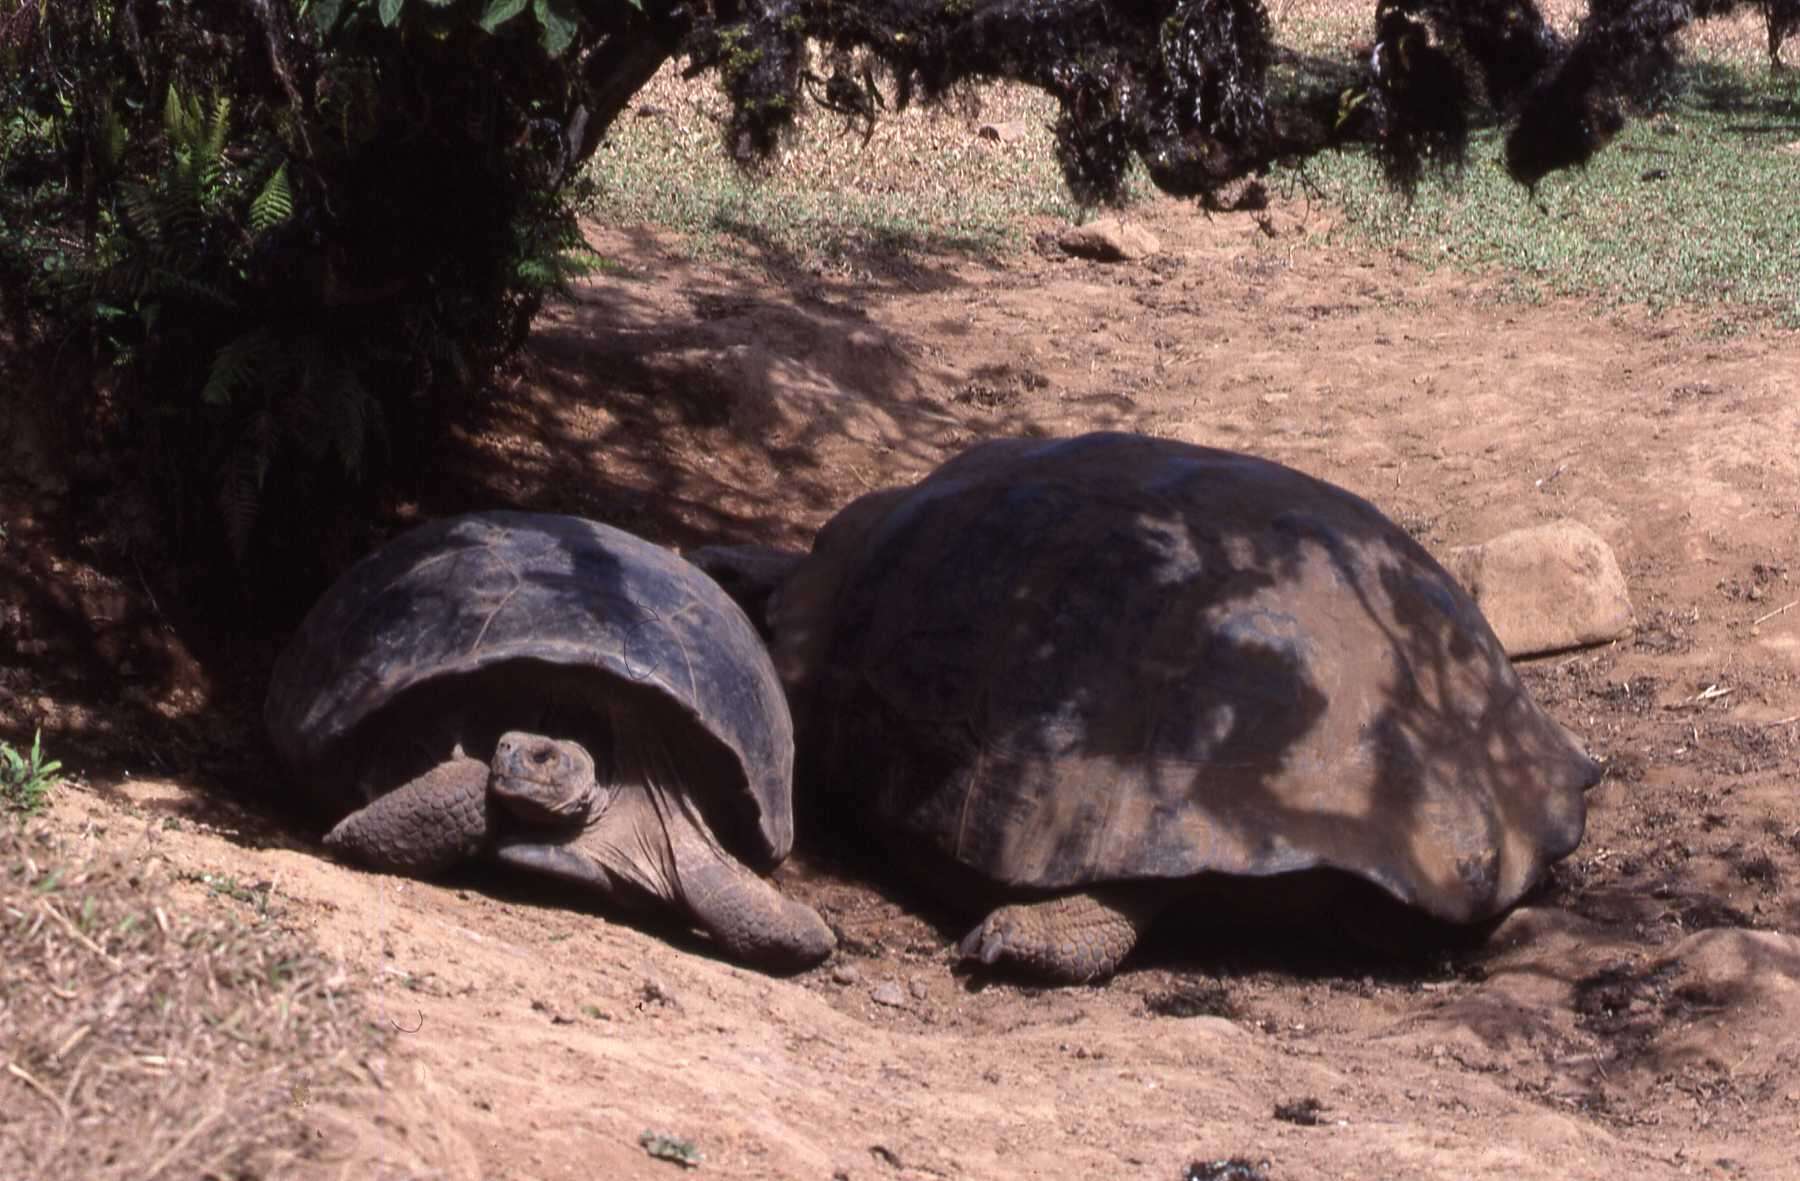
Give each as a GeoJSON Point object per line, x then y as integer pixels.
{"type": "Point", "coordinates": [555, 25]}
{"type": "Point", "coordinates": [234, 366]}
{"type": "Point", "coordinates": [274, 205]}
{"type": "Point", "coordinates": [390, 11]}
{"type": "Point", "coordinates": [324, 14]}
{"type": "Point", "coordinates": [499, 12]}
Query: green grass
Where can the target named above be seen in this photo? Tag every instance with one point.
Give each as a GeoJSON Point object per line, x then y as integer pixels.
{"type": "Point", "coordinates": [1692, 206]}
{"type": "Point", "coordinates": [26, 777]}
{"type": "Point", "coordinates": [925, 182]}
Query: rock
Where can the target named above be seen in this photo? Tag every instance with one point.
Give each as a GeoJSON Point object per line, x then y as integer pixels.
{"type": "Point", "coordinates": [655, 992]}
{"type": "Point", "coordinates": [1010, 132]}
{"type": "Point", "coordinates": [888, 993]}
{"type": "Point", "coordinates": [1109, 239]}
{"type": "Point", "coordinates": [845, 974]}
{"type": "Point", "coordinates": [1545, 588]}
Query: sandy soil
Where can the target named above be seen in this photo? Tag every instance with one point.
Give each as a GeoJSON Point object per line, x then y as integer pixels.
{"type": "Point", "coordinates": [1639, 1018]}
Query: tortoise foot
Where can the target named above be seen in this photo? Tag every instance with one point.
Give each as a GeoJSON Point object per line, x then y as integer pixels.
{"type": "Point", "coordinates": [1070, 939]}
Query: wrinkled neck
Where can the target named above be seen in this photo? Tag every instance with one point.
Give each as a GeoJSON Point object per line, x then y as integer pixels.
{"type": "Point", "coordinates": [649, 814]}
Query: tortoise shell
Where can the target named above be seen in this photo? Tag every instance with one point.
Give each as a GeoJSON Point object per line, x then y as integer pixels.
{"type": "Point", "coordinates": [1114, 658]}
{"type": "Point", "coordinates": [477, 624]}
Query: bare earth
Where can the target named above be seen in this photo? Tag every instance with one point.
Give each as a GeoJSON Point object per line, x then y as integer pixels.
{"type": "Point", "coordinates": [1638, 1019]}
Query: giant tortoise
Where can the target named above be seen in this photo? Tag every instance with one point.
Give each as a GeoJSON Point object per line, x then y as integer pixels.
{"type": "Point", "coordinates": [1081, 679]}
{"type": "Point", "coordinates": [559, 696]}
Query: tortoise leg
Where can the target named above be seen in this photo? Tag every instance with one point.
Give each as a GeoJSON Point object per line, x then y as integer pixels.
{"type": "Point", "coordinates": [423, 826]}
{"type": "Point", "coordinates": [646, 844]}
{"type": "Point", "coordinates": [752, 920]}
{"type": "Point", "coordinates": [642, 831]}
{"type": "Point", "coordinates": [1069, 939]}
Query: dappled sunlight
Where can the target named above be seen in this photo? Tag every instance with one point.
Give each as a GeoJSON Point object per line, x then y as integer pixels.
{"type": "Point", "coordinates": [1115, 658]}
{"type": "Point", "coordinates": [697, 411]}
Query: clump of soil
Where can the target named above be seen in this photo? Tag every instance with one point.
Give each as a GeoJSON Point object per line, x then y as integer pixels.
{"type": "Point", "coordinates": [1307, 1112]}
{"type": "Point", "coordinates": [1201, 998]}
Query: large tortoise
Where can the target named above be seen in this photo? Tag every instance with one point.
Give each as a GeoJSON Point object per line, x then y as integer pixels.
{"type": "Point", "coordinates": [558, 696]}
{"type": "Point", "coordinates": [1079, 680]}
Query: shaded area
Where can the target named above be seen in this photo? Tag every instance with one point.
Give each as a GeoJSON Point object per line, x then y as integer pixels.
{"type": "Point", "coordinates": [751, 380]}
{"type": "Point", "coordinates": [151, 671]}
{"type": "Point", "coordinates": [1771, 107]}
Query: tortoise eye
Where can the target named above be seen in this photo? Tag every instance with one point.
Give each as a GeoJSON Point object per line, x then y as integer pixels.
{"type": "Point", "coordinates": [542, 755]}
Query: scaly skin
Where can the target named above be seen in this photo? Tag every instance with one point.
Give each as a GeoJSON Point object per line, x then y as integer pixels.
{"type": "Point", "coordinates": [424, 826]}
{"type": "Point", "coordinates": [1069, 939]}
{"type": "Point", "coordinates": [634, 837]}
{"type": "Point", "coordinates": [752, 920]}
{"type": "Point", "coordinates": [644, 834]}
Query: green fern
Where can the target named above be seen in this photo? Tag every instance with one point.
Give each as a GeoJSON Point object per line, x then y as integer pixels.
{"type": "Point", "coordinates": [236, 365]}
{"type": "Point", "coordinates": [274, 204]}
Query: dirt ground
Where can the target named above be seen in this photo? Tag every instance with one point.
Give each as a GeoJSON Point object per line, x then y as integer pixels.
{"type": "Point", "coordinates": [1640, 1017]}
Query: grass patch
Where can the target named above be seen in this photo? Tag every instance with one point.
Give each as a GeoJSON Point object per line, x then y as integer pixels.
{"type": "Point", "coordinates": [140, 1040]}
{"type": "Point", "coordinates": [1692, 206]}
{"type": "Point", "coordinates": [26, 777]}
{"type": "Point", "coordinates": [925, 182]}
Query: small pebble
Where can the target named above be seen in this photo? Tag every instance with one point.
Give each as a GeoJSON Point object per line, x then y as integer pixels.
{"type": "Point", "coordinates": [888, 993]}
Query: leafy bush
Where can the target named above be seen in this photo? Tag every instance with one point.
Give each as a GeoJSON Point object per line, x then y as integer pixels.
{"type": "Point", "coordinates": [279, 241]}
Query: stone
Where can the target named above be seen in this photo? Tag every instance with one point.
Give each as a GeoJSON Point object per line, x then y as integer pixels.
{"type": "Point", "coordinates": [1009, 132]}
{"type": "Point", "coordinates": [1109, 239]}
{"type": "Point", "coordinates": [1545, 588]}
{"type": "Point", "coordinates": [888, 993]}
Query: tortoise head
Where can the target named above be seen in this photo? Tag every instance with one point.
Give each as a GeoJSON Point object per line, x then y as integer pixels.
{"type": "Point", "coordinates": [545, 781]}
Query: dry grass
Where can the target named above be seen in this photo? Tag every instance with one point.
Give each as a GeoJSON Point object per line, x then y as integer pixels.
{"type": "Point", "coordinates": [141, 1042]}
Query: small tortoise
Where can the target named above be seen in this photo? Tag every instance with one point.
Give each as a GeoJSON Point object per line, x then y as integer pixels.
{"type": "Point", "coordinates": [628, 731]}
{"type": "Point", "coordinates": [1087, 679]}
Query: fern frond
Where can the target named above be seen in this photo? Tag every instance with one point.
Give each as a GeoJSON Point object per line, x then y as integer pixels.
{"type": "Point", "coordinates": [180, 216]}
{"type": "Point", "coordinates": [184, 119]}
{"type": "Point", "coordinates": [112, 139]}
{"type": "Point", "coordinates": [349, 408]}
{"type": "Point", "coordinates": [172, 115]}
{"type": "Point", "coordinates": [136, 212]}
{"type": "Point", "coordinates": [235, 365]}
{"type": "Point", "coordinates": [241, 483]}
{"type": "Point", "coordinates": [174, 282]}
{"type": "Point", "coordinates": [213, 144]}
{"type": "Point", "coordinates": [274, 204]}
{"type": "Point", "coordinates": [209, 154]}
